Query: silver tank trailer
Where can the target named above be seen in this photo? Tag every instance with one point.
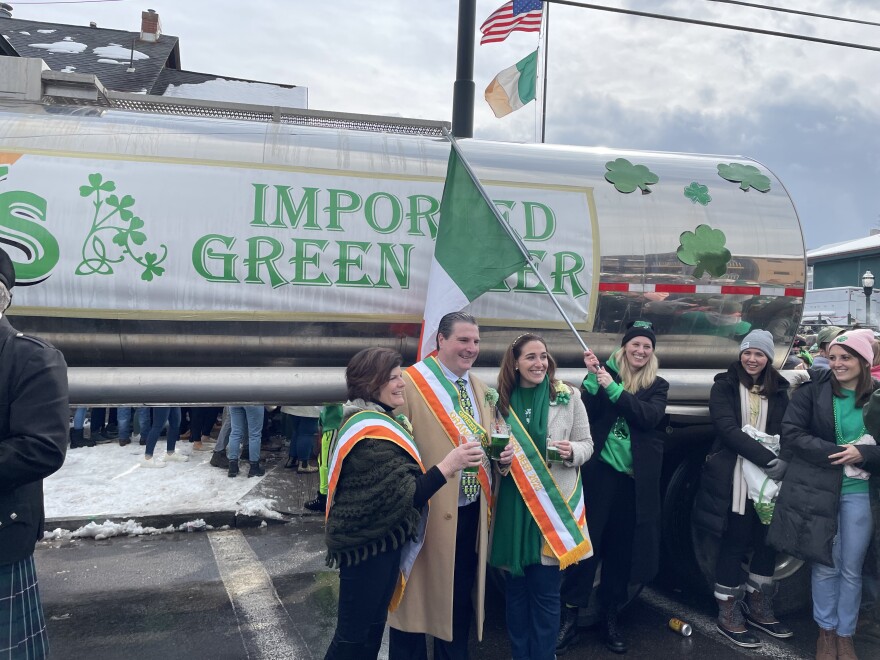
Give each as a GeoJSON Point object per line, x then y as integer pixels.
{"type": "Point", "coordinates": [646, 257]}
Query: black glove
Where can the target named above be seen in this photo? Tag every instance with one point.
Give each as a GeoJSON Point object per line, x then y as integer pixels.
{"type": "Point", "coordinates": [776, 469]}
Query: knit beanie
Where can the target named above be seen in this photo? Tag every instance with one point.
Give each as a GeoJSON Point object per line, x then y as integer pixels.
{"type": "Point", "coordinates": [759, 339]}
{"type": "Point", "coordinates": [861, 341]}
{"type": "Point", "coordinates": [639, 329]}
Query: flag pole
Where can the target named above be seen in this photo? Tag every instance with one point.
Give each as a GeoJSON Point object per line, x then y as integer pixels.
{"type": "Point", "coordinates": [545, 35]}
{"type": "Point", "coordinates": [513, 235]}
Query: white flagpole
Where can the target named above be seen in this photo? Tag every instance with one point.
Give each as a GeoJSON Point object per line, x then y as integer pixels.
{"type": "Point", "coordinates": [513, 235]}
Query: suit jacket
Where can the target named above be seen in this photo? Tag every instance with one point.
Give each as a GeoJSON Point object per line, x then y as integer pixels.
{"type": "Point", "coordinates": [427, 601]}
{"type": "Point", "coordinates": [34, 414]}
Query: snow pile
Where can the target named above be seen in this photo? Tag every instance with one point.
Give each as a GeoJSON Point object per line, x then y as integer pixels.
{"type": "Point", "coordinates": [264, 508]}
{"type": "Point", "coordinates": [105, 481]}
{"type": "Point", "coordinates": [119, 52]}
{"type": "Point", "coordinates": [110, 529]}
{"type": "Point", "coordinates": [66, 46]}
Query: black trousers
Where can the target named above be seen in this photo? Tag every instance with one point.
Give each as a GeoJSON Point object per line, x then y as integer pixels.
{"type": "Point", "coordinates": [202, 422]}
{"type": "Point", "coordinates": [610, 501]}
{"type": "Point", "coordinates": [365, 591]}
{"type": "Point", "coordinates": [744, 534]}
{"type": "Point", "coordinates": [413, 646]}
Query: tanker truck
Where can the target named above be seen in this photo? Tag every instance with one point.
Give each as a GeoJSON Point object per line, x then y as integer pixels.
{"type": "Point", "coordinates": [153, 233]}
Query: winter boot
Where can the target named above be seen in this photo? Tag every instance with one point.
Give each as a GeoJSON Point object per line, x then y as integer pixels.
{"type": "Point", "coordinates": [845, 649]}
{"type": "Point", "coordinates": [826, 647]}
{"type": "Point", "coordinates": [613, 635]}
{"type": "Point", "coordinates": [731, 622]}
{"type": "Point", "coordinates": [305, 468]}
{"type": "Point", "coordinates": [219, 459]}
{"type": "Point", "coordinates": [318, 504]}
{"type": "Point", "coordinates": [256, 469]}
{"type": "Point", "coordinates": [758, 607]}
{"type": "Point", "coordinates": [233, 468]}
{"type": "Point", "coordinates": [76, 438]}
{"type": "Point", "coordinates": [568, 629]}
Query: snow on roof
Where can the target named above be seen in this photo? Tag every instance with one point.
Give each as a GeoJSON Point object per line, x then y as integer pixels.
{"type": "Point", "coordinates": [117, 51]}
{"type": "Point", "coordinates": [65, 46]}
{"type": "Point", "coordinates": [858, 245]}
{"type": "Point", "coordinates": [241, 91]}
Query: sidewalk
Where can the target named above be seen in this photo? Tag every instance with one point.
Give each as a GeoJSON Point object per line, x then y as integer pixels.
{"type": "Point", "coordinates": [104, 483]}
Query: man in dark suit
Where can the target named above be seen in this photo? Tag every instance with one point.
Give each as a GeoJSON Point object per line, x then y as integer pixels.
{"type": "Point", "coordinates": [34, 414]}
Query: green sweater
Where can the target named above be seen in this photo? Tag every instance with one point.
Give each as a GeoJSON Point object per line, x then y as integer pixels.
{"type": "Point", "coordinates": [851, 428]}
{"type": "Point", "coordinates": [617, 451]}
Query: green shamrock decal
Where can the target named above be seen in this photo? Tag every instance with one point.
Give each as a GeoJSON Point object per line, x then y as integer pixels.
{"type": "Point", "coordinates": [626, 177]}
{"type": "Point", "coordinates": [704, 248]}
{"type": "Point", "coordinates": [747, 176]}
{"type": "Point", "coordinates": [698, 194]}
{"type": "Point", "coordinates": [113, 215]}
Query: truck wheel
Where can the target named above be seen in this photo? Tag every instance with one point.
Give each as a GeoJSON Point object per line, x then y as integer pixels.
{"type": "Point", "coordinates": [792, 575]}
{"type": "Point", "coordinates": [680, 566]}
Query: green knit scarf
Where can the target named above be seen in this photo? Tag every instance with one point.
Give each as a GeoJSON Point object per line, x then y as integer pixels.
{"type": "Point", "coordinates": [516, 540]}
{"type": "Point", "coordinates": [373, 505]}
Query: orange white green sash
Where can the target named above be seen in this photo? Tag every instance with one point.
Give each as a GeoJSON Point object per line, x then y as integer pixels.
{"type": "Point", "coordinates": [444, 402]}
{"type": "Point", "coordinates": [375, 425]}
{"type": "Point", "coordinates": [562, 520]}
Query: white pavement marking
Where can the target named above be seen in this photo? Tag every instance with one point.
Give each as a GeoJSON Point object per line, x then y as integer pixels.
{"type": "Point", "coordinates": [706, 625]}
{"type": "Point", "coordinates": [255, 601]}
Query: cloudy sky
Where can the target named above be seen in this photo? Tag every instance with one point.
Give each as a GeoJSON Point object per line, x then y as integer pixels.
{"type": "Point", "coordinates": [809, 112]}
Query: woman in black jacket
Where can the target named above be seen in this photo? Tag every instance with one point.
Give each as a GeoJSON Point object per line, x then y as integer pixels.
{"type": "Point", "coordinates": [626, 404]}
{"type": "Point", "coordinates": [823, 513]}
{"type": "Point", "coordinates": [750, 392]}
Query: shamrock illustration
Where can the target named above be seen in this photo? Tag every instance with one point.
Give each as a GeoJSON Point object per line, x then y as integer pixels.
{"type": "Point", "coordinates": [704, 248]}
{"type": "Point", "coordinates": [698, 194]}
{"type": "Point", "coordinates": [151, 266]}
{"type": "Point", "coordinates": [626, 177]}
{"type": "Point", "coordinates": [748, 176]}
{"type": "Point", "coordinates": [114, 214]}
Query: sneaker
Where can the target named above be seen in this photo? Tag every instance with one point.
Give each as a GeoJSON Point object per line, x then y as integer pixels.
{"type": "Point", "coordinates": [152, 463]}
{"type": "Point", "coordinates": [305, 468]}
{"type": "Point", "coordinates": [176, 458]}
{"type": "Point", "coordinates": [199, 446]}
{"type": "Point", "coordinates": [185, 435]}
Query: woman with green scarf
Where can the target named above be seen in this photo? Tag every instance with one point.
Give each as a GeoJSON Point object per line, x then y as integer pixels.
{"type": "Point", "coordinates": [539, 526]}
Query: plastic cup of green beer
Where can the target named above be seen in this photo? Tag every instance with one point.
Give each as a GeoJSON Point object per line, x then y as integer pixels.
{"type": "Point", "coordinates": [499, 439]}
{"type": "Point", "coordinates": [553, 455]}
{"type": "Point", "coordinates": [463, 440]}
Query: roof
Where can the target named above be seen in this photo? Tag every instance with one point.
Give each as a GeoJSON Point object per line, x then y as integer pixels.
{"type": "Point", "coordinates": [108, 54]}
{"type": "Point", "coordinates": [100, 51]}
{"type": "Point", "coordinates": [866, 244]}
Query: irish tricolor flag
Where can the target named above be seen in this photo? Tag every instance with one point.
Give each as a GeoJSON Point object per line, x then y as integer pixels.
{"type": "Point", "coordinates": [472, 254]}
{"type": "Point", "coordinates": [514, 87]}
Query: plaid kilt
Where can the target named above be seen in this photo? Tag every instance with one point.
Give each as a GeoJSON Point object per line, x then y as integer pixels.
{"type": "Point", "coordinates": [22, 626]}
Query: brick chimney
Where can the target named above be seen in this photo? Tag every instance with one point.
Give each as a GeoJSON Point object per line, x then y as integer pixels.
{"type": "Point", "coordinates": [151, 28]}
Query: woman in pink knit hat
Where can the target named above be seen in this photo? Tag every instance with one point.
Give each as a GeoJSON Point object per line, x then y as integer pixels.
{"type": "Point", "coordinates": [823, 514]}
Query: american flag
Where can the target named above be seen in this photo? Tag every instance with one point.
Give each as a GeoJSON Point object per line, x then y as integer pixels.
{"type": "Point", "coordinates": [522, 15]}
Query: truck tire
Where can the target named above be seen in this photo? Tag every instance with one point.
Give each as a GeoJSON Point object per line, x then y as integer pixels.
{"type": "Point", "coordinates": [679, 564]}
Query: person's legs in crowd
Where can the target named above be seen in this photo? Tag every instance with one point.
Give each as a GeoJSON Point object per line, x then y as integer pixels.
{"type": "Point", "coordinates": [124, 414]}
{"type": "Point", "coordinates": [173, 435]}
{"type": "Point", "coordinates": [255, 416]}
{"type": "Point", "coordinates": [145, 416]}
{"type": "Point", "coordinates": [219, 456]}
{"type": "Point", "coordinates": [238, 426]}
{"type": "Point", "coordinates": [96, 425]}
{"type": "Point", "coordinates": [76, 432]}
{"type": "Point", "coordinates": [111, 430]}
{"type": "Point", "coordinates": [160, 416]}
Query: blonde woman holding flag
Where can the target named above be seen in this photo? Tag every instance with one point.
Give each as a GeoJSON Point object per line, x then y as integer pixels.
{"type": "Point", "coordinates": [539, 523]}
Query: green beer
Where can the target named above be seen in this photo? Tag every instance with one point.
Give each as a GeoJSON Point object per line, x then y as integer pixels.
{"type": "Point", "coordinates": [497, 445]}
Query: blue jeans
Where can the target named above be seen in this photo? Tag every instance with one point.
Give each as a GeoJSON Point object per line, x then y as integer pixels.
{"type": "Point", "coordinates": [79, 418]}
{"type": "Point", "coordinates": [123, 418]}
{"type": "Point", "coordinates": [250, 418]}
{"type": "Point", "coordinates": [837, 591]}
{"type": "Point", "coordinates": [223, 435]}
{"type": "Point", "coordinates": [302, 437]}
{"type": "Point", "coordinates": [533, 612]}
{"type": "Point", "coordinates": [161, 415]}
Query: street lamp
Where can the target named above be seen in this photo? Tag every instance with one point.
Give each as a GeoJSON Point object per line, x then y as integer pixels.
{"type": "Point", "coordinates": [868, 287]}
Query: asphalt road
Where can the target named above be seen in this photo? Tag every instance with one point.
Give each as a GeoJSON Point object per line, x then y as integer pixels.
{"type": "Point", "coordinates": [265, 593]}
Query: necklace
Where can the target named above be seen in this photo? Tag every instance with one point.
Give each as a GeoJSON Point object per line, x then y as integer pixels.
{"type": "Point", "coordinates": [838, 430]}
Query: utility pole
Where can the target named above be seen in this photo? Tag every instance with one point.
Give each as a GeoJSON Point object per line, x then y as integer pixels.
{"type": "Point", "coordinates": [463, 91]}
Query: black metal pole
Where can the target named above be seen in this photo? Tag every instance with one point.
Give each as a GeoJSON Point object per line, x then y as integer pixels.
{"type": "Point", "coordinates": [463, 91]}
